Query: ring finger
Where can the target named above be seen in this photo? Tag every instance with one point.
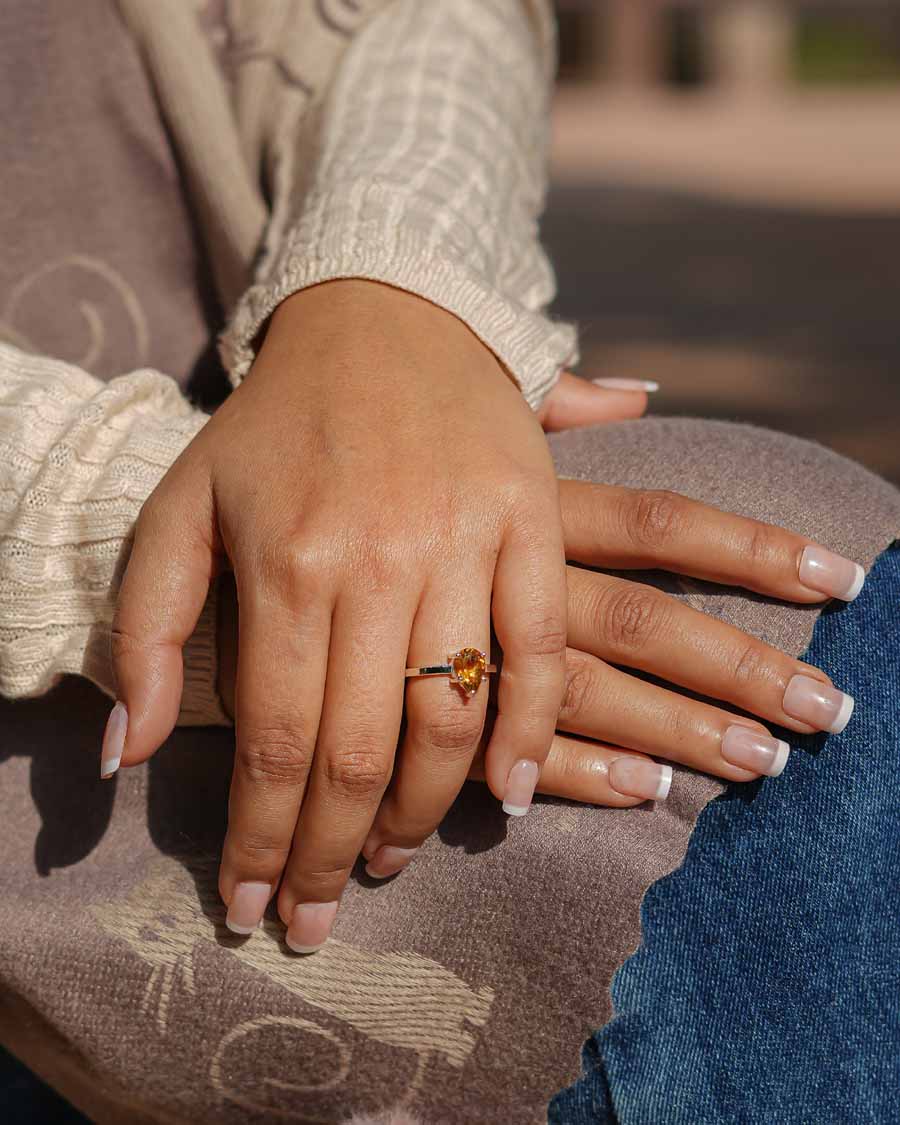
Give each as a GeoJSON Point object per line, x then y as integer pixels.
{"type": "Point", "coordinates": [444, 725]}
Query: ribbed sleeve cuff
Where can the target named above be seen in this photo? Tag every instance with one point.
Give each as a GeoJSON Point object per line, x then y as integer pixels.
{"type": "Point", "coordinates": [533, 347]}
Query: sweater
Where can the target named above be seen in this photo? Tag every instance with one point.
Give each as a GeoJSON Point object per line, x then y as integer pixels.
{"type": "Point", "coordinates": [403, 141]}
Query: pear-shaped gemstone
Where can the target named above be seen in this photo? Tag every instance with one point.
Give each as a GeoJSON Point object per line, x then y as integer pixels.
{"type": "Point", "coordinates": [468, 668]}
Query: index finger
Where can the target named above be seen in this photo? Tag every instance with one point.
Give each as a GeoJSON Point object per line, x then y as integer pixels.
{"type": "Point", "coordinates": [628, 528]}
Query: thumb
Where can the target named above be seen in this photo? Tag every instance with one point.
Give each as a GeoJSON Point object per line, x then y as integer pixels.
{"type": "Point", "coordinates": [574, 401]}
{"type": "Point", "coordinates": [163, 590]}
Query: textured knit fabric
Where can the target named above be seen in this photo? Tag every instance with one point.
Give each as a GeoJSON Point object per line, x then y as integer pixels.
{"type": "Point", "coordinates": [73, 481]}
{"type": "Point", "coordinates": [392, 140]}
{"type": "Point", "coordinates": [766, 985]}
{"type": "Point", "coordinates": [422, 163]}
{"type": "Point", "coordinates": [429, 175]}
{"type": "Point", "coordinates": [461, 990]}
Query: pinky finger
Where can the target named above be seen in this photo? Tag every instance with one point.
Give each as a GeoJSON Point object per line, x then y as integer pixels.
{"type": "Point", "coordinates": [597, 774]}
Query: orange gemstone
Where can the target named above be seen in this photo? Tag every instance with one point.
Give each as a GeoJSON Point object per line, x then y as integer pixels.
{"type": "Point", "coordinates": [468, 668]}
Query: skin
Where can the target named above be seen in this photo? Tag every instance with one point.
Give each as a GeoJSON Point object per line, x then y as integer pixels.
{"type": "Point", "coordinates": [457, 526]}
{"type": "Point", "coordinates": [606, 712]}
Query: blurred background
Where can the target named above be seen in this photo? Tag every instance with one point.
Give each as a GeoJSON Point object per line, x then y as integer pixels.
{"type": "Point", "coordinates": [724, 214]}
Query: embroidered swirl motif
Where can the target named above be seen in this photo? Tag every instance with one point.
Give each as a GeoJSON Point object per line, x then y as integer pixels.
{"type": "Point", "coordinates": [93, 292]}
{"type": "Point", "coordinates": [402, 1001]}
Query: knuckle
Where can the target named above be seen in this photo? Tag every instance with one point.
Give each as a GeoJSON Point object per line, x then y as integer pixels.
{"type": "Point", "coordinates": [750, 665]}
{"type": "Point", "coordinates": [261, 851]}
{"type": "Point", "coordinates": [451, 733]}
{"type": "Point", "coordinates": [360, 774]}
{"type": "Point", "coordinates": [546, 636]}
{"type": "Point", "coordinates": [652, 518]}
{"type": "Point", "coordinates": [680, 726]}
{"type": "Point", "coordinates": [323, 876]}
{"type": "Point", "coordinates": [122, 644]}
{"type": "Point", "coordinates": [577, 690]}
{"type": "Point", "coordinates": [630, 616]}
{"type": "Point", "coordinates": [762, 548]}
{"type": "Point", "coordinates": [379, 565]}
{"type": "Point", "coordinates": [125, 646]}
{"type": "Point", "coordinates": [276, 756]}
{"type": "Point", "coordinates": [287, 563]}
{"type": "Point", "coordinates": [520, 491]}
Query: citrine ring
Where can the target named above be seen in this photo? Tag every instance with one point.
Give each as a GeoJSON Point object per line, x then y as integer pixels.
{"type": "Point", "coordinates": [466, 668]}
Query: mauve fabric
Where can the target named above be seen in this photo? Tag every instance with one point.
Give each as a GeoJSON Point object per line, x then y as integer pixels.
{"type": "Point", "coordinates": [101, 265]}
{"type": "Point", "coordinates": [458, 991]}
{"type": "Point", "coordinates": [767, 984]}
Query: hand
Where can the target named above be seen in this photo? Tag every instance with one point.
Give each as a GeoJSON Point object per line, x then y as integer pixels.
{"type": "Point", "coordinates": [614, 622]}
{"type": "Point", "coordinates": [381, 490]}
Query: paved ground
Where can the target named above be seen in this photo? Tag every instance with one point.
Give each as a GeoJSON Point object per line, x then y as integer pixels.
{"type": "Point", "coordinates": [741, 304]}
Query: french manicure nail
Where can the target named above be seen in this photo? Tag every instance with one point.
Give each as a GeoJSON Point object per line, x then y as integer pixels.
{"type": "Point", "coordinates": [113, 740]}
{"type": "Point", "coordinates": [310, 926]}
{"type": "Point", "coordinates": [247, 906]}
{"type": "Point", "coordinates": [388, 860]}
{"type": "Point", "coordinates": [633, 777]}
{"type": "Point", "coordinates": [627, 385]}
{"type": "Point", "coordinates": [520, 786]}
{"type": "Point", "coordinates": [831, 574]}
{"type": "Point", "coordinates": [751, 750]}
{"type": "Point", "coordinates": [821, 706]}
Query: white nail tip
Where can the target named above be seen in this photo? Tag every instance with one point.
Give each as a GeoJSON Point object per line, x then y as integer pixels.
{"type": "Point", "coordinates": [242, 930]}
{"type": "Point", "coordinates": [647, 385]}
{"type": "Point", "coordinates": [302, 948]}
{"type": "Point", "coordinates": [843, 715]}
{"type": "Point", "coordinates": [780, 759]}
{"type": "Point", "coordinates": [108, 768]}
{"type": "Point", "coordinates": [515, 810]}
{"type": "Point", "coordinates": [854, 590]}
{"type": "Point", "coordinates": [665, 783]}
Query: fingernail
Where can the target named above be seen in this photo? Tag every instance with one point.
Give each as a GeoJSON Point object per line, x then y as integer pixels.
{"type": "Point", "coordinates": [633, 777]}
{"type": "Point", "coordinates": [751, 750]}
{"type": "Point", "coordinates": [247, 906]}
{"type": "Point", "coordinates": [388, 860]}
{"type": "Point", "coordinates": [627, 384]}
{"type": "Point", "coordinates": [817, 704]}
{"type": "Point", "coordinates": [520, 785]}
{"type": "Point", "coordinates": [310, 926]}
{"type": "Point", "coordinates": [831, 574]}
{"type": "Point", "coordinates": [113, 740]}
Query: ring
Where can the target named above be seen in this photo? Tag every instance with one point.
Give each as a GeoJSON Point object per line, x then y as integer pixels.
{"type": "Point", "coordinates": [466, 668]}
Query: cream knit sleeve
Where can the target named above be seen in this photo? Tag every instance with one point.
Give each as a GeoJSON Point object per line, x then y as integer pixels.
{"type": "Point", "coordinates": [429, 174]}
{"type": "Point", "coordinates": [77, 459]}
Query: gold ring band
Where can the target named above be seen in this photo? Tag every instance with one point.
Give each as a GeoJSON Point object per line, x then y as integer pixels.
{"type": "Point", "coordinates": [466, 668]}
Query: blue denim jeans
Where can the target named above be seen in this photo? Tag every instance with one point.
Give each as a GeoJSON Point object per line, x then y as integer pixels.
{"type": "Point", "coordinates": [767, 986]}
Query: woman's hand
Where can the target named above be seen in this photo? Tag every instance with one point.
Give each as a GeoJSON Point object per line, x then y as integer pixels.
{"type": "Point", "coordinates": [614, 622]}
{"type": "Point", "coordinates": [381, 490]}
